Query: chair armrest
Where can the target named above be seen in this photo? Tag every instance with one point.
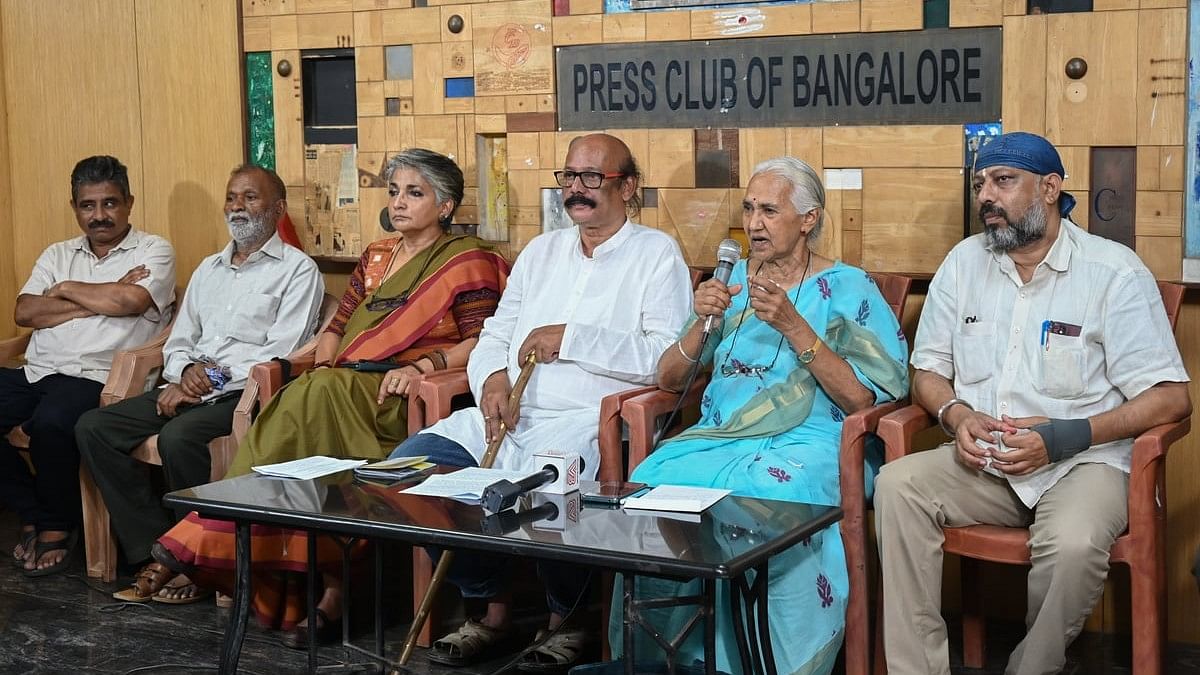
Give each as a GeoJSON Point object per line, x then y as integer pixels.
{"type": "Point", "coordinates": [1147, 475]}
{"type": "Point", "coordinates": [131, 371]}
{"type": "Point", "coordinates": [243, 414]}
{"type": "Point", "coordinates": [612, 464]}
{"type": "Point", "coordinates": [11, 348]}
{"type": "Point", "coordinates": [435, 394]}
{"type": "Point", "coordinates": [852, 452]}
{"type": "Point", "coordinates": [641, 413]}
{"type": "Point", "coordinates": [898, 428]}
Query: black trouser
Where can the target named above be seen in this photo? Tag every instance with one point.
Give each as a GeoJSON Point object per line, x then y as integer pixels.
{"type": "Point", "coordinates": [47, 411]}
{"type": "Point", "coordinates": [106, 438]}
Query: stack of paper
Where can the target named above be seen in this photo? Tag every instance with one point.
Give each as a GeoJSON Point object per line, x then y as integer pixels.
{"type": "Point", "coordinates": [677, 498]}
{"type": "Point", "coordinates": [309, 467]}
{"type": "Point", "coordinates": [465, 484]}
{"type": "Point", "coordinates": [395, 469]}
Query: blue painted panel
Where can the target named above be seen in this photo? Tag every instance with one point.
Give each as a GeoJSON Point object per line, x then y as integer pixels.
{"type": "Point", "coordinates": [460, 87]}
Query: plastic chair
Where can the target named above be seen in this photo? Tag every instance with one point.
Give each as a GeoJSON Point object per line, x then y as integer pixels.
{"type": "Point", "coordinates": [1142, 547]}
{"type": "Point", "coordinates": [643, 413]}
{"type": "Point", "coordinates": [133, 373]}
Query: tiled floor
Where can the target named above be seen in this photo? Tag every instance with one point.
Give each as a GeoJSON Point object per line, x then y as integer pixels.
{"type": "Point", "coordinates": [69, 624]}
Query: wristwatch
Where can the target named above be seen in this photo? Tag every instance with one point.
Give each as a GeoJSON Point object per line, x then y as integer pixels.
{"type": "Point", "coordinates": [806, 357]}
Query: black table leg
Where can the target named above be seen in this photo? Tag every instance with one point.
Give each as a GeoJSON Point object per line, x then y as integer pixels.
{"type": "Point", "coordinates": [764, 624]}
{"type": "Point", "coordinates": [378, 602]}
{"type": "Point", "coordinates": [710, 626]}
{"type": "Point", "coordinates": [235, 632]}
{"type": "Point", "coordinates": [627, 648]}
{"type": "Point", "coordinates": [739, 628]}
{"type": "Point", "coordinates": [313, 571]}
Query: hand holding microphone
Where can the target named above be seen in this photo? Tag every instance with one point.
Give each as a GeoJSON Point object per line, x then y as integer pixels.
{"type": "Point", "coordinates": [713, 297]}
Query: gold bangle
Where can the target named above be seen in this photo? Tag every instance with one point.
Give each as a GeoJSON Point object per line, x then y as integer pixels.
{"type": "Point", "coordinates": [689, 359]}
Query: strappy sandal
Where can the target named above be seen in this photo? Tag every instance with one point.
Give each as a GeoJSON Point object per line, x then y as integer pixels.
{"type": "Point", "coordinates": [41, 548]}
{"type": "Point", "coordinates": [561, 651]}
{"type": "Point", "coordinates": [146, 584]}
{"type": "Point", "coordinates": [472, 642]}
{"type": "Point", "coordinates": [28, 539]}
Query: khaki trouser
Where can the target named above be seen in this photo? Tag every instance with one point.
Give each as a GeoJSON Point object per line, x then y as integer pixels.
{"type": "Point", "coordinates": [1071, 531]}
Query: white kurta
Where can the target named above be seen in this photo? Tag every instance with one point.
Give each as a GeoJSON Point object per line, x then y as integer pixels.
{"type": "Point", "coordinates": [622, 307]}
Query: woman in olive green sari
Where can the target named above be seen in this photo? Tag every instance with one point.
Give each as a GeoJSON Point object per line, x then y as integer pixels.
{"type": "Point", "coordinates": [415, 303]}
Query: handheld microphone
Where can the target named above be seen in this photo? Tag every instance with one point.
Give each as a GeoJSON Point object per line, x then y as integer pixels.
{"type": "Point", "coordinates": [559, 475]}
{"type": "Point", "coordinates": [503, 522]}
{"type": "Point", "coordinates": [728, 253]}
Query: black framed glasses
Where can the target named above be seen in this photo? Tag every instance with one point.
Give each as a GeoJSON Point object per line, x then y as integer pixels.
{"type": "Point", "coordinates": [388, 304]}
{"type": "Point", "coordinates": [590, 179]}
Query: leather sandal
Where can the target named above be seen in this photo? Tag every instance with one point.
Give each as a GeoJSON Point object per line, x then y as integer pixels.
{"type": "Point", "coordinates": [146, 583]}
{"type": "Point", "coordinates": [41, 548]}
{"type": "Point", "coordinates": [471, 643]}
{"type": "Point", "coordinates": [557, 654]}
{"type": "Point", "coordinates": [176, 586]}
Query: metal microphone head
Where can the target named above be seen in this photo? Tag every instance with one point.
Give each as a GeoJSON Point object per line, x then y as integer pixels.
{"type": "Point", "coordinates": [728, 253]}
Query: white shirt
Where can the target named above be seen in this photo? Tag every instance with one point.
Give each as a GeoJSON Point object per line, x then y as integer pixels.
{"type": "Point", "coordinates": [984, 329]}
{"type": "Point", "coordinates": [242, 315]}
{"type": "Point", "coordinates": [622, 307]}
{"type": "Point", "coordinates": [85, 347]}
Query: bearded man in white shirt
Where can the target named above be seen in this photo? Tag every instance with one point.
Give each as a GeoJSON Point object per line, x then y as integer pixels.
{"type": "Point", "coordinates": [1053, 342]}
{"type": "Point", "coordinates": [257, 299]}
{"type": "Point", "coordinates": [598, 304]}
{"type": "Point", "coordinates": [110, 289]}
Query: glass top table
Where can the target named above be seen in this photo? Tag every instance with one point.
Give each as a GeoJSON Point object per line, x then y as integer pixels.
{"type": "Point", "coordinates": [733, 536]}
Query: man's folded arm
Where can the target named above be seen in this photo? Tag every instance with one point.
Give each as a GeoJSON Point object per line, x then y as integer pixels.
{"type": "Point", "coordinates": [39, 311]}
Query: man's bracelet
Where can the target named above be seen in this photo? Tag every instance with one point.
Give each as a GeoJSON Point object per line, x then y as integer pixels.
{"type": "Point", "coordinates": [941, 414]}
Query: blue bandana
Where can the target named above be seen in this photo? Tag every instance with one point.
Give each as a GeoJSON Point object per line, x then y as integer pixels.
{"type": "Point", "coordinates": [1030, 152]}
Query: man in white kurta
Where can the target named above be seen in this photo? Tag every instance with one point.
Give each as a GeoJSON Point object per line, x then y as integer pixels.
{"type": "Point", "coordinates": [598, 303]}
{"type": "Point", "coordinates": [1043, 350]}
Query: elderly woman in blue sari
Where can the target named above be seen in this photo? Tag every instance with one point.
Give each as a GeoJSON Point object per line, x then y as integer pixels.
{"type": "Point", "coordinates": [802, 342]}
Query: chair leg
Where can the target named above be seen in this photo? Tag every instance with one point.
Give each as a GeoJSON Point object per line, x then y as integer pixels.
{"type": "Point", "coordinates": [880, 656]}
{"type": "Point", "coordinates": [606, 593]}
{"type": "Point", "coordinates": [422, 575]}
{"type": "Point", "coordinates": [973, 622]}
{"type": "Point", "coordinates": [100, 548]}
{"type": "Point", "coordinates": [1148, 589]}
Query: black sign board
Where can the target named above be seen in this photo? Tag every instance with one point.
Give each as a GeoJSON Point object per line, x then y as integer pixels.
{"type": "Point", "coordinates": [941, 76]}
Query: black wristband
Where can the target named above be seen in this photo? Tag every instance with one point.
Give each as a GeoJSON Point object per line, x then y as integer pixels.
{"type": "Point", "coordinates": [1065, 438]}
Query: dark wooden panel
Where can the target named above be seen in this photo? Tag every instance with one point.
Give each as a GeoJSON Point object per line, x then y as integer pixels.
{"type": "Point", "coordinates": [1113, 194]}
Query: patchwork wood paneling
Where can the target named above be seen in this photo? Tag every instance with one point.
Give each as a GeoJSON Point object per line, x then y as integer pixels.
{"type": "Point", "coordinates": [1099, 108]}
{"type": "Point", "coordinates": [911, 218]}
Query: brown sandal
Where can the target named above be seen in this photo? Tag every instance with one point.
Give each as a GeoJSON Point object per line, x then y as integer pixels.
{"type": "Point", "coordinates": [146, 583]}
{"type": "Point", "coordinates": [177, 586]}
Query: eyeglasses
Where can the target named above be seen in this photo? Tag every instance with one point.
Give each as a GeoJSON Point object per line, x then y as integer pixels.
{"type": "Point", "coordinates": [590, 179]}
{"type": "Point", "coordinates": [388, 304]}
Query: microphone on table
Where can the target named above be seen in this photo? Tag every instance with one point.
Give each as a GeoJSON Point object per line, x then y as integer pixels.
{"type": "Point", "coordinates": [559, 475]}
{"type": "Point", "coordinates": [551, 512]}
{"type": "Point", "coordinates": [728, 253]}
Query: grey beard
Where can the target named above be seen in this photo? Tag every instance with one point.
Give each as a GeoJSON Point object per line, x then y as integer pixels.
{"type": "Point", "coordinates": [1030, 228]}
{"type": "Point", "coordinates": [254, 230]}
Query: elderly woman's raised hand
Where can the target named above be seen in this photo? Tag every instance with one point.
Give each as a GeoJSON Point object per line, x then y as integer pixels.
{"type": "Point", "coordinates": [772, 305]}
{"type": "Point", "coordinates": [712, 298]}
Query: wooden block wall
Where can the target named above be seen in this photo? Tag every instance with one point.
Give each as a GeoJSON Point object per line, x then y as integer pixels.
{"type": "Point", "coordinates": [8, 281]}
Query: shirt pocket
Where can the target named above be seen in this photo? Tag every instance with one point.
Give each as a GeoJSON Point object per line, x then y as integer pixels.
{"type": "Point", "coordinates": [253, 316]}
{"type": "Point", "coordinates": [1062, 367]}
{"type": "Point", "coordinates": [974, 352]}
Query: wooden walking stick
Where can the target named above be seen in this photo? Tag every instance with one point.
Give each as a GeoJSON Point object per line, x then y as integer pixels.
{"type": "Point", "coordinates": [489, 458]}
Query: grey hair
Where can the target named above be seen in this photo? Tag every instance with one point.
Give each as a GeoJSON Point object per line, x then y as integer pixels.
{"type": "Point", "coordinates": [440, 171]}
{"type": "Point", "coordinates": [808, 192]}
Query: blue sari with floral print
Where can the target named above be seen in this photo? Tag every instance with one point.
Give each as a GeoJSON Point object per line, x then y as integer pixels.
{"type": "Point", "coordinates": [768, 430]}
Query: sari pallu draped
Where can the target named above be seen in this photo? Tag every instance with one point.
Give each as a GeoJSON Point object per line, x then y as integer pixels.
{"type": "Point", "coordinates": [433, 301]}
{"type": "Point", "coordinates": [768, 430]}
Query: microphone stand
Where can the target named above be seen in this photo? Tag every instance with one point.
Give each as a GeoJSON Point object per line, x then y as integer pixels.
{"type": "Point", "coordinates": [439, 572]}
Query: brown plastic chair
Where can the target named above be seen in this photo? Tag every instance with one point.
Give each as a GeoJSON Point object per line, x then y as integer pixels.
{"type": "Point", "coordinates": [1142, 547]}
{"type": "Point", "coordinates": [642, 414]}
{"type": "Point", "coordinates": [133, 373]}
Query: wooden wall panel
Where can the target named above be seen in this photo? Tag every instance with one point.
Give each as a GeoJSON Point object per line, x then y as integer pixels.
{"type": "Point", "coordinates": [888, 15]}
{"type": "Point", "coordinates": [8, 281]}
{"type": "Point", "coordinates": [1024, 90]}
{"type": "Point", "coordinates": [1099, 108]}
{"type": "Point", "coordinates": [192, 130]}
{"type": "Point", "coordinates": [976, 13]}
{"type": "Point", "coordinates": [289, 121]}
{"type": "Point", "coordinates": [47, 82]}
{"type": "Point", "coordinates": [909, 145]}
{"type": "Point", "coordinates": [835, 17]}
{"type": "Point", "coordinates": [1161, 76]}
{"type": "Point", "coordinates": [1183, 477]}
{"type": "Point", "coordinates": [911, 218]}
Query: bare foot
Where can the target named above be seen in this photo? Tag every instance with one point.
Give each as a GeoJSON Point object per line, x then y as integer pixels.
{"type": "Point", "coordinates": [24, 549]}
{"type": "Point", "coordinates": [179, 588]}
{"type": "Point", "coordinates": [51, 557]}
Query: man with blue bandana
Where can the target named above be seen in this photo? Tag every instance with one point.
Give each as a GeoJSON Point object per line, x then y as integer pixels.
{"type": "Point", "coordinates": [1043, 351]}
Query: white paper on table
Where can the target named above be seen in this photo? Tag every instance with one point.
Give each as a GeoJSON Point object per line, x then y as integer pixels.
{"type": "Point", "coordinates": [677, 498]}
{"type": "Point", "coordinates": [309, 467]}
{"type": "Point", "coordinates": [464, 484]}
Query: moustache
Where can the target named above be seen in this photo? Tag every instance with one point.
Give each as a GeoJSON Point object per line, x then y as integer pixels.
{"type": "Point", "coordinates": [99, 223]}
{"type": "Point", "coordinates": [579, 199]}
{"type": "Point", "coordinates": [991, 209]}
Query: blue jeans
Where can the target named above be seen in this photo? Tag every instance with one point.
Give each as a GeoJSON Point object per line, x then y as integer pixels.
{"type": "Point", "coordinates": [482, 575]}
